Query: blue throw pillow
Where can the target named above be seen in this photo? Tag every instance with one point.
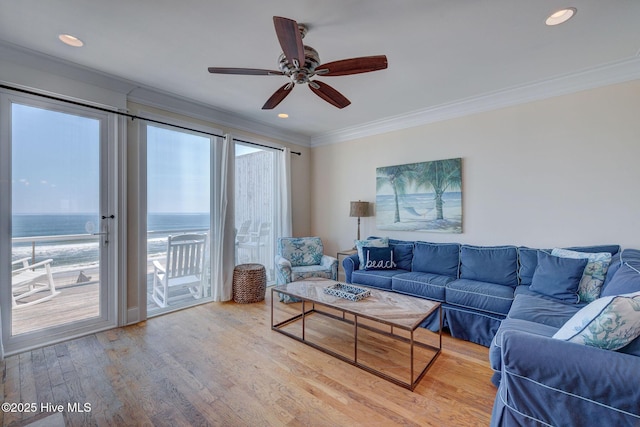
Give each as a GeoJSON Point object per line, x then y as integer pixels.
{"type": "Point", "coordinates": [558, 277]}
{"type": "Point", "coordinates": [378, 258]}
{"type": "Point", "coordinates": [382, 242]}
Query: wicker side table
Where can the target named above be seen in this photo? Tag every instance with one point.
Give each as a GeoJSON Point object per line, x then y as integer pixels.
{"type": "Point", "coordinates": [249, 283]}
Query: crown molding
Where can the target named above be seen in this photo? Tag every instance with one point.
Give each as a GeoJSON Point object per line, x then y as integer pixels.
{"type": "Point", "coordinates": [141, 94]}
{"type": "Point", "coordinates": [188, 107]}
{"type": "Point", "coordinates": [607, 74]}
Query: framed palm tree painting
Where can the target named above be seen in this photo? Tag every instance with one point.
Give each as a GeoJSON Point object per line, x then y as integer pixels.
{"type": "Point", "coordinates": [423, 196]}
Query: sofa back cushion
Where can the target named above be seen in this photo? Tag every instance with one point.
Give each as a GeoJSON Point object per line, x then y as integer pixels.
{"type": "Point", "coordinates": [627, 277]}
{"type": "Point", "coordinates": [301, 251]}
{"type": "Point", "coordinates": [493, 264]}
{"type": "Point", "coordinates": [402, 254]}
{"type": "Point", "coordinates": [528, 261]}
{"type": "Point", "coordinates": [436, 258]}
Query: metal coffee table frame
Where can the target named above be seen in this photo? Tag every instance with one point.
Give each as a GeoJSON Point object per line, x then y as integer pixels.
{"type": "Point", "coordinates": [413, 381]}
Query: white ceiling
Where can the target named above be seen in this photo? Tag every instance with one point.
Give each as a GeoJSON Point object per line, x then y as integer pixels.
{"type": "Point", "coordinates": [440, 52]}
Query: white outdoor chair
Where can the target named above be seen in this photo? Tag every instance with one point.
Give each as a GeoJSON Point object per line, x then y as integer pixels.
{"type": "Point", "coordinates": [183, 268]}
{"type": "Point", "coordinates": [26, 281]}
{"type": "Point", "coordinates": [256, 243]}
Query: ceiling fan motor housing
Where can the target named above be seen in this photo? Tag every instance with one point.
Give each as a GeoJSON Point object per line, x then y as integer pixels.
{"type": "Point", "coordinates": [300, 75]}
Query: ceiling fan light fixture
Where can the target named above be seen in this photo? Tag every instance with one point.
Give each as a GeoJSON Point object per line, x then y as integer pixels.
{"type": "Point", "coordinates": [561, 16]}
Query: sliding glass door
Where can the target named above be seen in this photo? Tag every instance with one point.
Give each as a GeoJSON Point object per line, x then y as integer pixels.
{"type": "Point", "coordinates": [178, 217]}
{"type": "Point", "coordinates": [56, 163]}
{"type": "Point", "coordinates": [256, 205]}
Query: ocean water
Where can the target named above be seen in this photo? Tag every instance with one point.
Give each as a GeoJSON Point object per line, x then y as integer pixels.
{"type": "Point", "coordinates": [66, 253]}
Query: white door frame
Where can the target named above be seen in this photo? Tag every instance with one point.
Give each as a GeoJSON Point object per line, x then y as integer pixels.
{"type": "Point", "coordinates": [111, 185]}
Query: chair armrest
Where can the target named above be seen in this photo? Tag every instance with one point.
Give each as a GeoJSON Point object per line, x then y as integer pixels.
{"type": "Point", "coordinates": [350, 263]}
{"type": "Point", "coordinates": [283, 270]}
{"type": "Point", "coordinates": [282, 262]}
{"type": "Point", "coordinates": [542, 377]}
{"type": "Point", "coordinates": [23, 261]}
{"type": "Point", "coordinates": [327, 261]}
{"type": "Point", "coordinates": [158, 267]}
{"type": "Point", "coordinates": [46, 263]}
{"type": "Point", "coordinates": [330, 263]}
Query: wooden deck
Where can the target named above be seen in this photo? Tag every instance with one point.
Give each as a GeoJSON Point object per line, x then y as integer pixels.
{"type": "Point", "coordinates": [221, 364]}
{"type": "Point", "coordinates": [76, 302]}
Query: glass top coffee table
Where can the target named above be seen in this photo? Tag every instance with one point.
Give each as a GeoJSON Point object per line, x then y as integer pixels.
{"type": "Point", "coordinates": [372, 334]}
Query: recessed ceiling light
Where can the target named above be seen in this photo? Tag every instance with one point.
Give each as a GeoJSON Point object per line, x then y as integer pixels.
{"type": "Point", "coordinates": [71, 40]}
{"type": "Point", "coordinates": [563, 15]}
{"type": "Point", "coordinates": [283, 115]}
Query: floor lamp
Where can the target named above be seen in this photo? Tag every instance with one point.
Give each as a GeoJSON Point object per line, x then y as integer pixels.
{"type": "Point", "coordinates": [359, 209]}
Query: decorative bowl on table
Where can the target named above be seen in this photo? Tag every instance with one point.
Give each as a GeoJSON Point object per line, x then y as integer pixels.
{"type": "Point", "coordinates": [350, 292]}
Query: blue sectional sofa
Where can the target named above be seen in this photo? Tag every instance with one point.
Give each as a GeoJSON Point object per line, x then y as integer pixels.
{"type": "Point", "coordinates": [507, 298]}
{"type": "Point", "coordinates": [546, 381]}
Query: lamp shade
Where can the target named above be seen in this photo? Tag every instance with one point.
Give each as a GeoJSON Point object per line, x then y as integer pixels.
{"type": "Point", "coordinates": [359, 209]}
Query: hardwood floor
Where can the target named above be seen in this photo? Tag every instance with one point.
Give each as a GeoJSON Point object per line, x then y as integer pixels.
{"type": "Point", "coordinates": [221, 364]}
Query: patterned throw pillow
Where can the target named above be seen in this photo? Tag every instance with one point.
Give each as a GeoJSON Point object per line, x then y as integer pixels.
{"type": "Point", "coordinates": [609, 323]}
{"type": "Point", "coordinates": [594, 273]}
{"type": "Point", "coordinates": [302, 251]}
{"type": "Point", "coordinates": [382, 242]}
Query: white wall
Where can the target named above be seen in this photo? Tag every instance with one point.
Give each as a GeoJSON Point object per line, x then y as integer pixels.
{"type": "Point", "coordinates": [558, 172]}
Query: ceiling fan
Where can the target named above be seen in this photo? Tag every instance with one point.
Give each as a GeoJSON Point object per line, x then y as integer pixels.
{"type": "Point", "coordinates": [301, 63]}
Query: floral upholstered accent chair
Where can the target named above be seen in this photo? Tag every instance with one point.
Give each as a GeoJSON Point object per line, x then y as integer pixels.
{"type": "Point", "coordinates": [300, 258]}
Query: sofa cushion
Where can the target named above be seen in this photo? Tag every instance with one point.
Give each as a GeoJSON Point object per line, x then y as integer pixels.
{"type": "Point", "coordinates": [515, 325]}
{"type": "Point", "coordinates": [594, 273]}
{"type": "Point", "coordinates": [382, 242]}
{"type": "Point", "coordinates": [402, 254]}
{"type": "Point", "coordinates": [625, 278]}
{"type": "Point", "coordinates": [545, 311]}
{"type": "Point", "coordinates": [478, 295]}
{"type": "Point", "coordinates": [614, 265]}
{"type": "Point", "coordinates": [558, 277]}
{"type": "Point", "coordinates": [528, 260]}
{"type": "Point", "coordinates": [380, 279]}
{"type": "Point", "coordinates": [632, 348]}
{"type": "Point", "coordinates": [378, 258]}
{"type": "Point", "coordinates": [436, 258]}
{"type": "Point", "coordinates": [425, 285]}
{"type": "Point", "coordinates": [609, 323]}
{"type": "Point", "coordinates": [496, 264]}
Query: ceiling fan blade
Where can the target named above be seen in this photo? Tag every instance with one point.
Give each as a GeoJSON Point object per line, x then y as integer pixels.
{"type": "Point", "coordinates": [245, 71]}
{"type": "Point", "coordinates": [278, 96]}
{"type": "Point", "coordinates": [329, 94]}
{"type": "Point", "coordinates": [290, 39]}
{"type": "Point", "coordinates": [345, 67]}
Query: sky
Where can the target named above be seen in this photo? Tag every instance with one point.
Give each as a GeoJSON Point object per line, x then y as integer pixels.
{"type": "Point", "coordinates": [54, 161]}
{"type": "Point", "coordinates": [56, 156]}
